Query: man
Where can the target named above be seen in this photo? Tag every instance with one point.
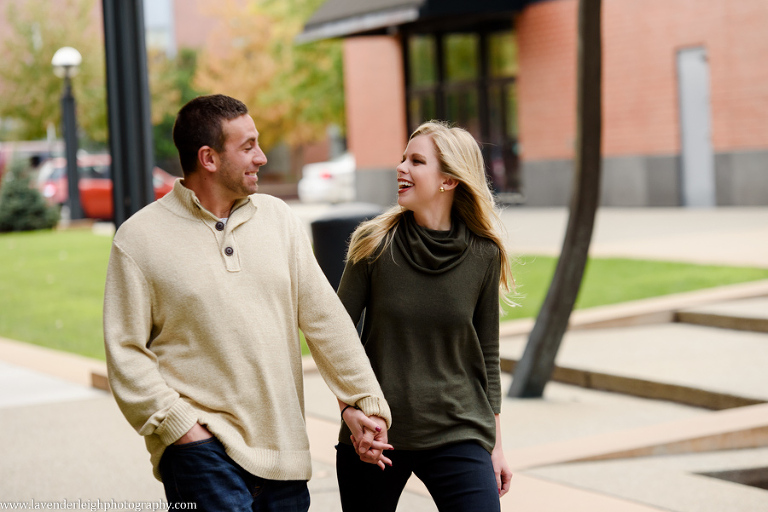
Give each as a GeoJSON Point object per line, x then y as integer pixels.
{"type": "Point", "coordinates": [206, 291]}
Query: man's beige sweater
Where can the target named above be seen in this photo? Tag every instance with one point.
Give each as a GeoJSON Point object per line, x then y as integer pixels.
{"type": "Point", "coordinates": [202, 325]}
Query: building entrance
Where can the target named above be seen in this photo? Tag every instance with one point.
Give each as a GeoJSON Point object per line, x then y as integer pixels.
{"type": "Point", "coordinates": [468, 76]}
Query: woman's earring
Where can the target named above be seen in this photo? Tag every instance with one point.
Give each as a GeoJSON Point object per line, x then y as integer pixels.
{"type": "Point", "coordinates": [441, 189]}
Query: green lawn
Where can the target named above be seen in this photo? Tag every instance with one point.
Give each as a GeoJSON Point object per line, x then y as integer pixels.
{"type": "Point", "coordinates": [52, 285]}
{"type": "Point", "coordinates": [614, 280]}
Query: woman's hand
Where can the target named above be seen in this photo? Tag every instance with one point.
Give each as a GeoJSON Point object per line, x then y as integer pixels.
{"type": "Point", "coordinates": [501, 470]}
{"type": "Point", "coordinates": [500, 467]}
{"type": "Point", "coordinates": [375, 454]}
{"type": "Point", "coordinates": [369, 436]}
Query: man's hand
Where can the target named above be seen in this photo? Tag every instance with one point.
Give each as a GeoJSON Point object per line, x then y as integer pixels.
{"type": "Point", "coordinates": [196, 433]}
{"type": "Point", "coordinates": [369, 436]}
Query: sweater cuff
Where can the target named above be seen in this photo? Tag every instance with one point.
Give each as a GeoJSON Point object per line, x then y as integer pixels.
{"type": "Point", "coordinates": [181, 417]}
{"type": "Point", "coordinates": [373, 406]}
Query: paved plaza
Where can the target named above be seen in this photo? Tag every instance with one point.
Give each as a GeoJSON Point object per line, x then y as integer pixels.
{"type": "Point", "coordinates": [631, 424]}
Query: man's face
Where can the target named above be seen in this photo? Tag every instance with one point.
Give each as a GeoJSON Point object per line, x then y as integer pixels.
{"type": "Point", "coordinates": [241, 157]}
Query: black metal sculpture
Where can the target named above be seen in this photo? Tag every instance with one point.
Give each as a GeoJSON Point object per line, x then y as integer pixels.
{"type": "Point", "coordinates": [538, 362]}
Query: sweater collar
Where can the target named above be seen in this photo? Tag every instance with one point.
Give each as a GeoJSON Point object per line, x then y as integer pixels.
{"type": "Point", "coordinates": [429, 250]}
{"type": "Point", "coordinates": [184, 202]}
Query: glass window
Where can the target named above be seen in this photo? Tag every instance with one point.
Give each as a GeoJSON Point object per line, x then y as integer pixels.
{"type": "Point", "coordinates": [461, 52]}
{"type": "Point", "coordinates": [421, 60]}
{"type": "Point", "coordinates": [495, 111]}
{"type": "Point", "coordinates": [461, 107]}
{"type": "Point", "coordinates": [511, 103]}
{"type": "Point", "coordinates": [454, 89]}
{"type": "Point", "coordinates": [421, 108]}
{"type": "Point", "coordinates": [502, 54]}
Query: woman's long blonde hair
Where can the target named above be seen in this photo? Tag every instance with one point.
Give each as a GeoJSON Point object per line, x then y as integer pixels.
{"type": "Point", "coordinates": [461, 159]}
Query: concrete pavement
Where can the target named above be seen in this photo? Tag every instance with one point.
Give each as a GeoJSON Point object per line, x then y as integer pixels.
{"type": "Point", "coordinates": [575, 449]}
{"type": "Point", "coordinates": [720, 236]}
{"type": "Point", "coordinates": [79, 446]}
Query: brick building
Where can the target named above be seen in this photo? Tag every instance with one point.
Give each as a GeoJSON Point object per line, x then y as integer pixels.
{"type": "Point", "coordinates": [685, 93]}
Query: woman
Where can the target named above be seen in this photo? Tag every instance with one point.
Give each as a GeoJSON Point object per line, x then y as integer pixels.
{"type": "Point", "coordinates": [428, 274]}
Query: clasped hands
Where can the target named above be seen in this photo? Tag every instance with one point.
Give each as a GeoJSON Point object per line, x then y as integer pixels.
{"type": "Point", "coordinates": [369, 436]}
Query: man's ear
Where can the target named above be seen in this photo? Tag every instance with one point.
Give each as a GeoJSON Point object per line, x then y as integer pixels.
{"type": "Point", "coordinates": [208, 158]}
{"type": "Point", "coordinates": [449, 183]}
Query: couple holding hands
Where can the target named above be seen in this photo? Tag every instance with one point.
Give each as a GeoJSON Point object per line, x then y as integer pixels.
{"type": "Point", "coordinates": [208, 287]}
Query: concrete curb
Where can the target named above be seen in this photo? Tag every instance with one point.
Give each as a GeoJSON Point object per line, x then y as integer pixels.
{"type": "Point", "coordinates": [74, 368]}
{"type": "Point", "coordinates": [743, 315]}
{"type": "Point", "coordinates": [641, 388]}
{"type": "Point", "coordinates": [742, 428]}
{"type": "Point", "coordinates": [645, 311]}
{"type": "Point", "coordinates": [70, 367]}
{"type": "Point", "coordinates": [655, 310]}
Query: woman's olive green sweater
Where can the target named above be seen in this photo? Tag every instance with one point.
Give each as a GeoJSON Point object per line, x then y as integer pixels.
{"type": "Point", "coordinates": [431, 331]}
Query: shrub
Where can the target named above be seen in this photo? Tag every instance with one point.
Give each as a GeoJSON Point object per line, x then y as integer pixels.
{"type": "Point", "coordinates": [22, 207]}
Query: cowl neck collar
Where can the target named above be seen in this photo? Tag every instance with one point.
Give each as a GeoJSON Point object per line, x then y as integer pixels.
{"type": "Point", "coordinates": [432, 251]}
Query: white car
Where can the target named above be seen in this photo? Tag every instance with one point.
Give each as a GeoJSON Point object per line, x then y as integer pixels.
{"type": "Point", "coordinates": [328, 182]}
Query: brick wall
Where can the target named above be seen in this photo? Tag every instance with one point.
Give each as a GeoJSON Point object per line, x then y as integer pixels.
{"type": "Point", "coordinates": [374, 89]}
{"type": "Point", "coordinates": [641, 40]}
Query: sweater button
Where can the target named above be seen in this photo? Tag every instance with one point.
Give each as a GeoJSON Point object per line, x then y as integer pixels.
{"type": "Point", "coordinates": [220, 226]}
{"type": "Point", "coordinates": [229, 251]}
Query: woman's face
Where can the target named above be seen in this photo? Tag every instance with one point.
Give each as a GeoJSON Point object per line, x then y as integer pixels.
{"type": "Point", "coordinates": [419, 176]}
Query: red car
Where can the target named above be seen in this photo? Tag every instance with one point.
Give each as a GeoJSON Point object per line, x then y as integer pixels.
{"type": "Point", "coordinates": [95, 184]}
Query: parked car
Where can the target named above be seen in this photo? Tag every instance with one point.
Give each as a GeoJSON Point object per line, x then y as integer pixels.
{"type": "Point", "coordinates": [29, 152]}
{"type": "Point", "coordinates": [95, 184]}
{"type": "Point", "coordinates": [329, 182]}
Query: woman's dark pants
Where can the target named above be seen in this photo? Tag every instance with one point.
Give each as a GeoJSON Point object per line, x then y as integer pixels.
{"type": "Point", "coordinates": [458, 476]}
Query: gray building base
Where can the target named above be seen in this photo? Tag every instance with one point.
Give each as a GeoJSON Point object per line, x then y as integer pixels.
{"type": "Point", "coordinates": [741, 179]}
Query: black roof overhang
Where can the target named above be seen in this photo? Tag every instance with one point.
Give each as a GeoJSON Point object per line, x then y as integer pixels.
{"type": "Point", "coordinates": [341, 18]}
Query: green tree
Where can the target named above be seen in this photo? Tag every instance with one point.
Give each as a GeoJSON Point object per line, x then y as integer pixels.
{"type": "Point", "coordinates": [29, 89]}
{"type": "Point", "coordinates": [292, 91]}
{"type": "Point", "coordinates": [22, 207]}
{"type": "Point", "coordinates": [171, 75]}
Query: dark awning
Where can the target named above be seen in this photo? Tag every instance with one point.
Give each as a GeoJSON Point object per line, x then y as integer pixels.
{"type": "Point", "coordinates": [338, 18]}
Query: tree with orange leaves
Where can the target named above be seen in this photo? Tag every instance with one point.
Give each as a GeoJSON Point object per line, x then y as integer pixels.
{"type": "Point", "coordinates": [292, 91]}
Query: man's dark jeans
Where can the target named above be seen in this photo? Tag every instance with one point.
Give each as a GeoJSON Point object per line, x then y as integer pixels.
{"type": "Point", "coordinates": [203, 473]}
{"type": "Point", "coordinates": [459, 477]}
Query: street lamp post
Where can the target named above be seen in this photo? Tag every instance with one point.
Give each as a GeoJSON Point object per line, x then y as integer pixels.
{"type": "Point", "coordinates": [65, 65]}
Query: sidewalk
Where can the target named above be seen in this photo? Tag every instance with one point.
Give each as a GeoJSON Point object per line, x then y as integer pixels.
{"type": "Point", "coordinates": [721, 236]}
{"type": "Point", "coordinates": [72, 442]}
{"type": "Point", "coordinates": [576, 449]}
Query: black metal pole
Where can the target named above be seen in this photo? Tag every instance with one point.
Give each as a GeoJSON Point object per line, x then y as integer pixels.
{"type": "Point", "coordinates": [128, 102]}
{"type": "Point", "coordinates": [69, 126]}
